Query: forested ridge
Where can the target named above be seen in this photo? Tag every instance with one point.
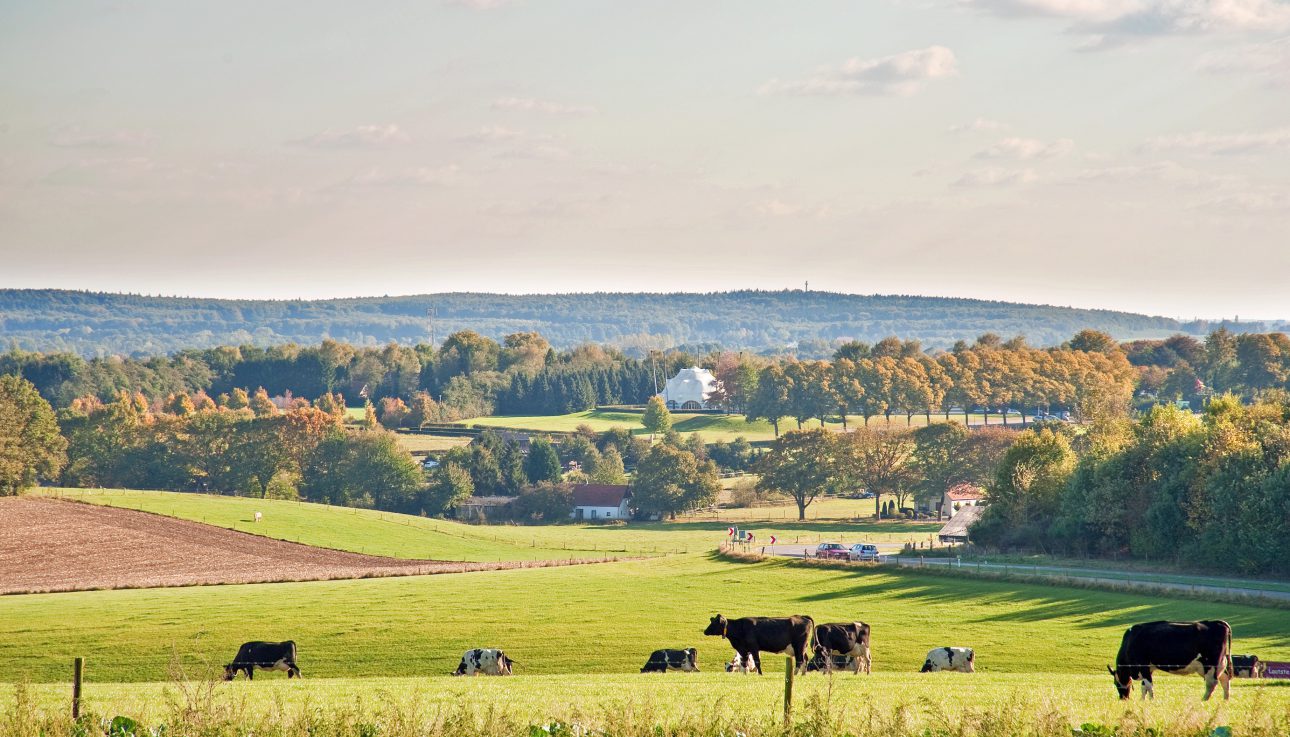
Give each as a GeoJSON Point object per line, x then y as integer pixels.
{"type": "Point", "coordinates": [99, 324]}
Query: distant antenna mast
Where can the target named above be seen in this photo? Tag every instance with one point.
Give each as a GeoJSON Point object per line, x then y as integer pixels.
{"type": "Point", "coordinates": [806, 287]}
{"type": "Point", "coordinates": [431, 312]}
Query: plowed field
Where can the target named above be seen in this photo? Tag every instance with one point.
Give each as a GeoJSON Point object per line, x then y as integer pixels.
{"type": "Point", "coordinates": [50, 545]}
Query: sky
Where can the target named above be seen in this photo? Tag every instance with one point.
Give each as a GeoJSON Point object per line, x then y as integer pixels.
{"type": "Point", "coordinates": [1130, 154]}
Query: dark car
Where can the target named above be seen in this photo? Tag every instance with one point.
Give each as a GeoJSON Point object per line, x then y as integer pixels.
{"type": "Point", "coordinates": [836, 551]}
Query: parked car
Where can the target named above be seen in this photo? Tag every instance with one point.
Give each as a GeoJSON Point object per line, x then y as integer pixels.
{"type": "Point", "coordinates": [863, 551]}
{"type": "Point", "coordinates": [832, 551]}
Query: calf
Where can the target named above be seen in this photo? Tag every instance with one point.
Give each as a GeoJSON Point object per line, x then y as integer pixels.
{"type": "Point", "coordinates": [961, 659]}
{"type": "Point", "coordinates": [738, 663]}
{"type": "Point", "coordinates": [264, 656]}
{"type": "Point", "coordinates": [1174, 647]}
{"type": "Point", "coordinates": [486, 660]}
{"type": "Point", "coordinates": [751, 636]}
{"type": "Point", "coordinates": [660, 661]}
{"type": "Point", "coordinates": [850, 639]}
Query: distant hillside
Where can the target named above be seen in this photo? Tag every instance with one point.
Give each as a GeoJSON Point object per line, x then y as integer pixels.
{"type": "Point", "coordinates": [102, 323]}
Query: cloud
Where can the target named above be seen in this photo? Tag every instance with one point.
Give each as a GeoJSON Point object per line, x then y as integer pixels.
{"type": "Point", "coordinates": [421, 176]}
{"type": "Point", "coordinates": [78, 138]}
{"type": "Point", "coordinates": [529, 104]}
{"type": "Point", "coordinates": [1108, 23]}
{"type": "Point", "coordinates": [1269, 61]}
{"type": "Point", "coordinates": [363, 136]}
{"type": "Point", "coordinates": [899, 74]}
{"type": "Point", "coordinates": [1223, 144]}
{"type": "Point", "coordinates": [777, 208]}
{"type": "Point", "coordinates": [979, 125]}
{"type": "Point", "coordinates": [995, 177]}
{"type": "Point", "coordinates": [498, 133]}
{"type": "Point", "coordinates": [1025, 149]}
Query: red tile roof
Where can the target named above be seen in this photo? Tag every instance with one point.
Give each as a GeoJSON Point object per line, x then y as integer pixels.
{"type": "Point", "coordinates": [964, 492]}
{"type": "Point", "coordinates": [600, 495]}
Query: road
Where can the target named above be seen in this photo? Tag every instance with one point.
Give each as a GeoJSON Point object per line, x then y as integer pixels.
{"type": "Point", "coordinates": [1159, 581]}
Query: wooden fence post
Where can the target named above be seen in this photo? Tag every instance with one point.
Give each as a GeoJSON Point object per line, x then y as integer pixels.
{"type": "Point", "coordinates": [790, 667]}
{"type": "Point", "coordinates": [78, 672]}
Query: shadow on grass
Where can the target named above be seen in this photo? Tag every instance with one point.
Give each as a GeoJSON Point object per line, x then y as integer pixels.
{"type": "Point", "coordinates": [1029, 603]}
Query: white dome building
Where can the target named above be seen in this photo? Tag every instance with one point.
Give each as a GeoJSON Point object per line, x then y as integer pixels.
{"type": "Point", "coordinates": [689, 389]}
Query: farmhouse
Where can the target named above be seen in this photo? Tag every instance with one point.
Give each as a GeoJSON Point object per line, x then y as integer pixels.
{"type": "Point", "coordinates": [601, 501]}
{"type": "Point", "coordinates": [689, 389]}
{"type": "Point", "coordinates": [960, 496]}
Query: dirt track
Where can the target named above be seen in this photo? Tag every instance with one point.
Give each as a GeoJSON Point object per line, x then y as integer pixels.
{"type": "Point", "coordinates": [51, 545]}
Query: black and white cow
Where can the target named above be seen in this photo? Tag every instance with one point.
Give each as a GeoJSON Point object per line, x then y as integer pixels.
{"type": "Point", "coordinates": [487, 660]}
{"type": "Point", "coordinates": [844, 638]}
{"type": "Point", "coordinates": [738, 663]}
{"type": "Point", "coordinates": [961, 659]}
{"type": "Point", "coordinates": [751, 636]}
{"type": "Point", "coordinates": [1248, 666]}
{"type": "Point", "coordinates": [264, 656]}
{"type": "Point", "coordinates": [1180, 648]}
{"type": "Point", "coordinates": [660, 661]}
{"type": "Point", "coordinates": [818, 662]}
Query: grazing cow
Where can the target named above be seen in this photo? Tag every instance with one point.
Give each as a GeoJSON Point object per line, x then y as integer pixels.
{"type": "Point", "coordinates": [1180, 648]}
{"type": "Point", "coordinates": [1248, 666]}
{"type": "Point", "coordinates": [850, 639]}
{"type": "Point", "coordinates": [751, 636]}
{"type": "Point", "coordinates": [838, 662]}
{"type": "Point", "coordinates": [739, 663]}
{"type": "Point", "coordinates": [264, 656]}
{"type": "Point", "coordinates": [487, 660]}
{"type": "Point", "coordinates": [961, 659]}
{"type": "Point", "coordinates": [660, 661]}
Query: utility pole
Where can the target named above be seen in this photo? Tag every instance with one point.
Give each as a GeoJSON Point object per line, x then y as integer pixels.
{"type": "Point", "coordinates": [430, 316]}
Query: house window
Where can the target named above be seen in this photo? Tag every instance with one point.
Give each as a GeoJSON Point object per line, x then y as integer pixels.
{"type": "Point", "coordinates": [609, 514]}
{"type": "Point", "coordinates": [593, 514]}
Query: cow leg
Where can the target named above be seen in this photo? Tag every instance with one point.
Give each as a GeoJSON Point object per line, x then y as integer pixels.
{"type": "Point", "coordinates": [1225, 677]}
{"type": "Point", "coordinates": [1148, 691]}
{"type": "Point", "coordinates": [250, 672]}
{"type": "Point", "coordinates": [1211, 680]}
{"type": "Point", "coordinates": [756, 656]}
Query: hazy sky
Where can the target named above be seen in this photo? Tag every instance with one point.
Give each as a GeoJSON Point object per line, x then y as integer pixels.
{"type": "Point", "coordinates": [1111, 153]}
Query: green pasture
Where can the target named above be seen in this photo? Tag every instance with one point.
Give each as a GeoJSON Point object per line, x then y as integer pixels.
{"type": "Point", "coordinates": [419, 443]}
{"type": "Point", "coordinates": [712, 427]}
{"type": "Point", "coordinates": [603, 618]}
{"type": "Point", "coordinates": [885, 703]}
{"type": "Point", "coordinates": [406, 536]}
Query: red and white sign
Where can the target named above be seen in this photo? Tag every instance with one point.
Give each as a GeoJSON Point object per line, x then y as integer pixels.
{"type": "Point", "coordinates": [730, 531]}
{"type": "Point", "coordinates": [750, 537]}
{"type": "Point", "coordinates": [772, 539]}
{"type": "Point", "coordinates": [1276, 669]}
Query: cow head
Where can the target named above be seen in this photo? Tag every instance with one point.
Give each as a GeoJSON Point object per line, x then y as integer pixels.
{"type": "Point", "coordinates": [506, 663]}
{"type": "Point", "coordinates": [1125, 688]}
{"type": "Point", "coordinates": [461, 668]}
{"type": "Point", "coordinates": [717, 627]}
{"type": "Point", "coordinates": [229, 672]}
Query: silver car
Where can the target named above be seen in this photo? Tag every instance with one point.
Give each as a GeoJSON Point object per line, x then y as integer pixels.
{"type": "Point", "coordinates": [863, 551]}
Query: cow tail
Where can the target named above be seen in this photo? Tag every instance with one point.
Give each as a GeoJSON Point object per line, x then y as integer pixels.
{"type": "Point", "coordinates": [1230, 669]}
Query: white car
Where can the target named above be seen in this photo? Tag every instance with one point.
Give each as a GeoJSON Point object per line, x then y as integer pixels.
{"type": "Point", "coordinates": [863, 551]}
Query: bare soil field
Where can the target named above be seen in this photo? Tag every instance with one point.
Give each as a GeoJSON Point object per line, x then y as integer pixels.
{"type": "Point", "coordinates": [49, 545]}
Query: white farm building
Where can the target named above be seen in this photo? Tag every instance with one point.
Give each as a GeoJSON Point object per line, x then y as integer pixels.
{"type": "Point", "coordinates": [689, 389]}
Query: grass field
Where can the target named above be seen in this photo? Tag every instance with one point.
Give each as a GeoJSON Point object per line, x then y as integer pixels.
{"type": "Point", "coordinates": [712, 427]}
{"type": "Point", "coordinates": [418, 443]}
{"type": "Point", "coordinates": [886, 704]}
{"type": "Point", "coordinates": [404, 536]}
{"type": "Point", "coordinates": [588, 619]}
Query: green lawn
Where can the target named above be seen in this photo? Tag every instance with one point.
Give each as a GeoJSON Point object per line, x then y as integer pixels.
{"type": "Point", "coordinates": [712, 427]}
{"type": "Point", "coordinates": [588, 619]}
{"type": "Point", "coordinates": [404, 536]}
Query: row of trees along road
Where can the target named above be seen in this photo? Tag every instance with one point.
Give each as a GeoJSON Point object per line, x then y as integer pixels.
{"type": "Point", "coordinates": [916, 465]}
{"type": "Point", "coordinates": [1088, 376]}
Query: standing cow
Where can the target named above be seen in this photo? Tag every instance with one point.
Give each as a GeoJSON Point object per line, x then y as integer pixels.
{"type": "Point", "coordinates": [1248, 666]}
{"type": "Point", "coordinates": [1180, 648]}
{"type": "Point", "coordinates": [264, 656]}
{"type": "Point", "coordinates": [847, 638]}
{"type": "Point", "coordinates": [486, 660]}
{"type": "Point", "coordinates": [751, 636]}
{"type": "Point", "coordinates": [961, 659]}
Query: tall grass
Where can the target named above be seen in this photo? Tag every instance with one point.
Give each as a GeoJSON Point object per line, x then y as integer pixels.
{"type": "Point", "coordinates": [201, 710]}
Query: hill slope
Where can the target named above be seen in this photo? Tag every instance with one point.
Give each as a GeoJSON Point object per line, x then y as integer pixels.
{"type": "Point", "coordinates": [102, 323]}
